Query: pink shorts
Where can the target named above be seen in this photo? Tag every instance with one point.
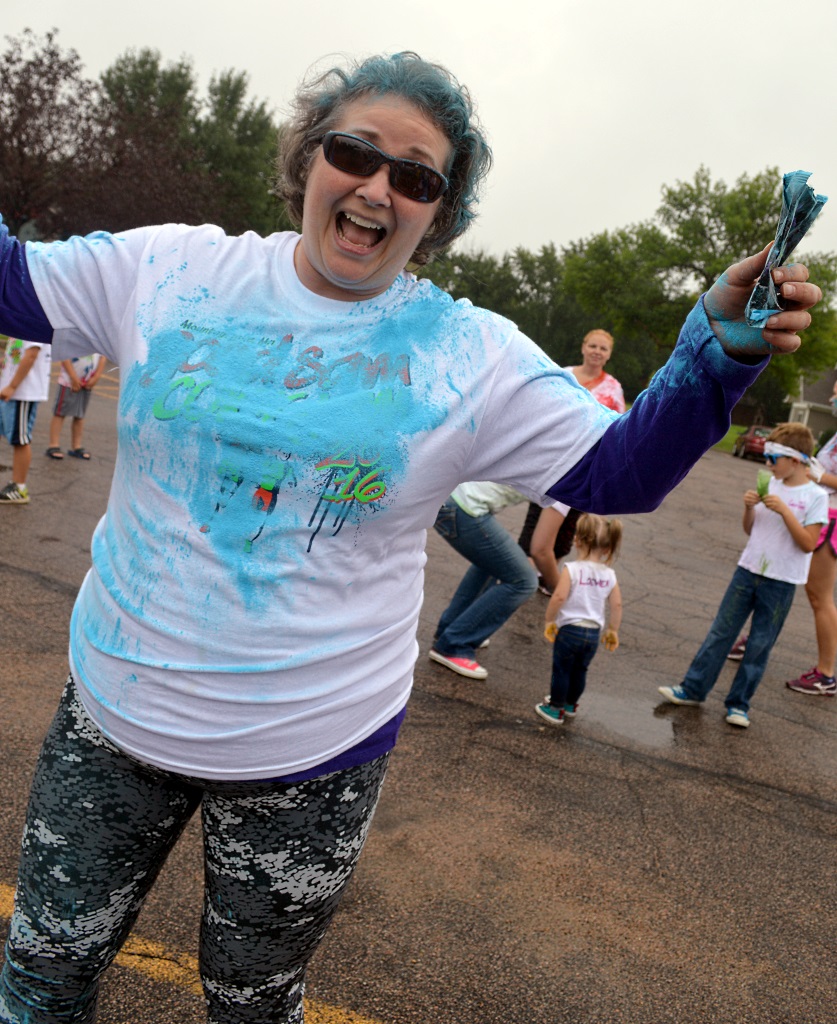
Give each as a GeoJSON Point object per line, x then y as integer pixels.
{"type": "Point", "coordinates": [827, 534]}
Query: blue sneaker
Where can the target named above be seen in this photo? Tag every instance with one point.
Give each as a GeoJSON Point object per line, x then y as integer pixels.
{"type": "Point", "coordinates": [569, 709]}
{"type": "Point", "coordinates": [554, 716]}
{"type": "Point", "coordinates": [677, 695]}
{"type": "Point", "coordinates": [739, 717]}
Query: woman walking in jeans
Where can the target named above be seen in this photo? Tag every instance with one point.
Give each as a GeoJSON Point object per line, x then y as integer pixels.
{"type": "Point", "coordinates": [499, 580]}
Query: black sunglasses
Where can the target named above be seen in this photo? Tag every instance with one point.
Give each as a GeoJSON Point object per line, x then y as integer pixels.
{"type": "Point", "coordinates": [357, 156]}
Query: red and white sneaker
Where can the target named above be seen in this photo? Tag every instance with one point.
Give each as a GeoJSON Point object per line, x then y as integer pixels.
{"type": "Point", "coordinates": [814, 682]}
{"type": "Point", "coordinates": [462, 666]}
{"type": "Point", "coordinates": [736, 652]}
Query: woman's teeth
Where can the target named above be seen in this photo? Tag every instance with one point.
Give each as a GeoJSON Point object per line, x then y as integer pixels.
{"type": "Point", "coordinates": [358, 230]}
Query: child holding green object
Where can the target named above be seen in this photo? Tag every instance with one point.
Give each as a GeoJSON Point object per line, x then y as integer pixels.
{"type": "Point", "coordinates": [762, 487]}
{"type": "Point", "coordinates": [783, 526]}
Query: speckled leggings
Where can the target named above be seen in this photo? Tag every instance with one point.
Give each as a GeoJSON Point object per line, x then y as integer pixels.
{"type": "Point", "coordinates": [99, 827]}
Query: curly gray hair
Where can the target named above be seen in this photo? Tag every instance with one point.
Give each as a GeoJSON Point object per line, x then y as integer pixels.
{"type": "Point", "coordinates": [434, 91]}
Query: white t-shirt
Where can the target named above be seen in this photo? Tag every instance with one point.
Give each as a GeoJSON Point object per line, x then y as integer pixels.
{"type": "Point", "coordinates": [257, 578]}
{"type": "Point", "coordinates": [35, 385]}
{"type": "Point", "coordinates": [84, 367]}
{"type": "Point", "coordinates": [770, 549]}
{"type": "Point", "coordinates": [591, 584]}
{"type": "Point", "coordinates": [481, 497]}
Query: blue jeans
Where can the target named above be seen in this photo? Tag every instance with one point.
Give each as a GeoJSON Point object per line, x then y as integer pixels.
{"type": "Point", "coordinates": [499, 581]}
{"type": "Point", "coordinates": [769, 601]}
{"type": "Point", "coordinates": [571, 656]}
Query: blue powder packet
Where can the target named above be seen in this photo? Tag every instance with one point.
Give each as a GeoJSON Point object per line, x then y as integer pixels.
{"type": "Point", "coordinates": [800, 208]}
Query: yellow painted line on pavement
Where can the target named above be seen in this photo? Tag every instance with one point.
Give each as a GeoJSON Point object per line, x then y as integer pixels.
{"type": "Point", "coordinates": [7, 900]}
{"type": "Point", "coordinates": [181, 969]}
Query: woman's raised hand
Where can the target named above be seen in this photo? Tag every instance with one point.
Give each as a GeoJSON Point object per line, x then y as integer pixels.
{"type": "Point", "coordinates": [727, 298]}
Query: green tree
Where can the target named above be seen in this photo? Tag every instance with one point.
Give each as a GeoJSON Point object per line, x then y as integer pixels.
{"type": "Point", "coordinates": [151, 166]}
{"type": "Point", "coordinates": [707, 225]}
{"type": "Point", "coordinates": [484, 279]}
{"type": "Point", "coordinates": [621, 276]}
{"type": "Point", "coordinates": [619, 279]}
{"type": "Point", "coordinates": [546, 311]}
{"type": "Point", "coordinates": [172, 156]}
{"type": "Point", "coordinates": [145, 92]}
{"type": "Point", "coordinates": [523, 286]}
{"type": "Point", "coordinates": [48, 127]}
{"type": "Point", "coordinates": [239, 140]}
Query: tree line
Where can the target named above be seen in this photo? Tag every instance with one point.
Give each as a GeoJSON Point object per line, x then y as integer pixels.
{"type": "Point", "coordinates": [140, 145]}
{"type": "Point", "coordinates": [137, 146]}
{"type": "Point", "coordinates": [639, 283]}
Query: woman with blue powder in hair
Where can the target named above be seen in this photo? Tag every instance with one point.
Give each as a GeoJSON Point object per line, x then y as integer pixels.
{"type": "Point", "coordinates": [293, 411]}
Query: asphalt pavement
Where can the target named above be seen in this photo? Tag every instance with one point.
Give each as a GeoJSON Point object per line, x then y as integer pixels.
{"type": "Point", "coordinates": [643, 863]}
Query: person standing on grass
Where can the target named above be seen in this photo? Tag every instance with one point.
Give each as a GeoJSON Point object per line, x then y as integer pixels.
{"type": "Point", "coordinates": [76, 380]}
{"type": "Point", "coordinates": [783, 528]}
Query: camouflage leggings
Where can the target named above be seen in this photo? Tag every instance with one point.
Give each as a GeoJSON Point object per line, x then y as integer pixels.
{"type": "Point", "coordinates": [99, 827]}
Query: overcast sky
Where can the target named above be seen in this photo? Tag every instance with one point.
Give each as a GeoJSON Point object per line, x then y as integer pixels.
{"type": "Point", "coordinates": [591, 106]}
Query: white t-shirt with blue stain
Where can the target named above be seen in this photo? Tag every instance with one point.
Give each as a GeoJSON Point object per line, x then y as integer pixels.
{"type": "Point", "coordinates": [771, 550]}
{"type": "Point", "coordinates": [252, 606]}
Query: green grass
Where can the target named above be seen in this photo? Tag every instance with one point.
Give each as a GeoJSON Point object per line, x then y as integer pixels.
{"type": "Point", "coordinates": [728, 440]}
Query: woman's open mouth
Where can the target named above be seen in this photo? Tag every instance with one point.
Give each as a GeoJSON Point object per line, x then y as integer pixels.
{"type": "Point", "coordinates": [359, 231]}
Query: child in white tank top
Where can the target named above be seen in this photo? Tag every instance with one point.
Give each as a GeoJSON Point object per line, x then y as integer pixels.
{"type": "Point", "coordinates": [587, 596]}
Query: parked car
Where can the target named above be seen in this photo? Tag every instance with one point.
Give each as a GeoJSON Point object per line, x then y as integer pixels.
{"type": "Point", "coordinates": [750, 444]}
